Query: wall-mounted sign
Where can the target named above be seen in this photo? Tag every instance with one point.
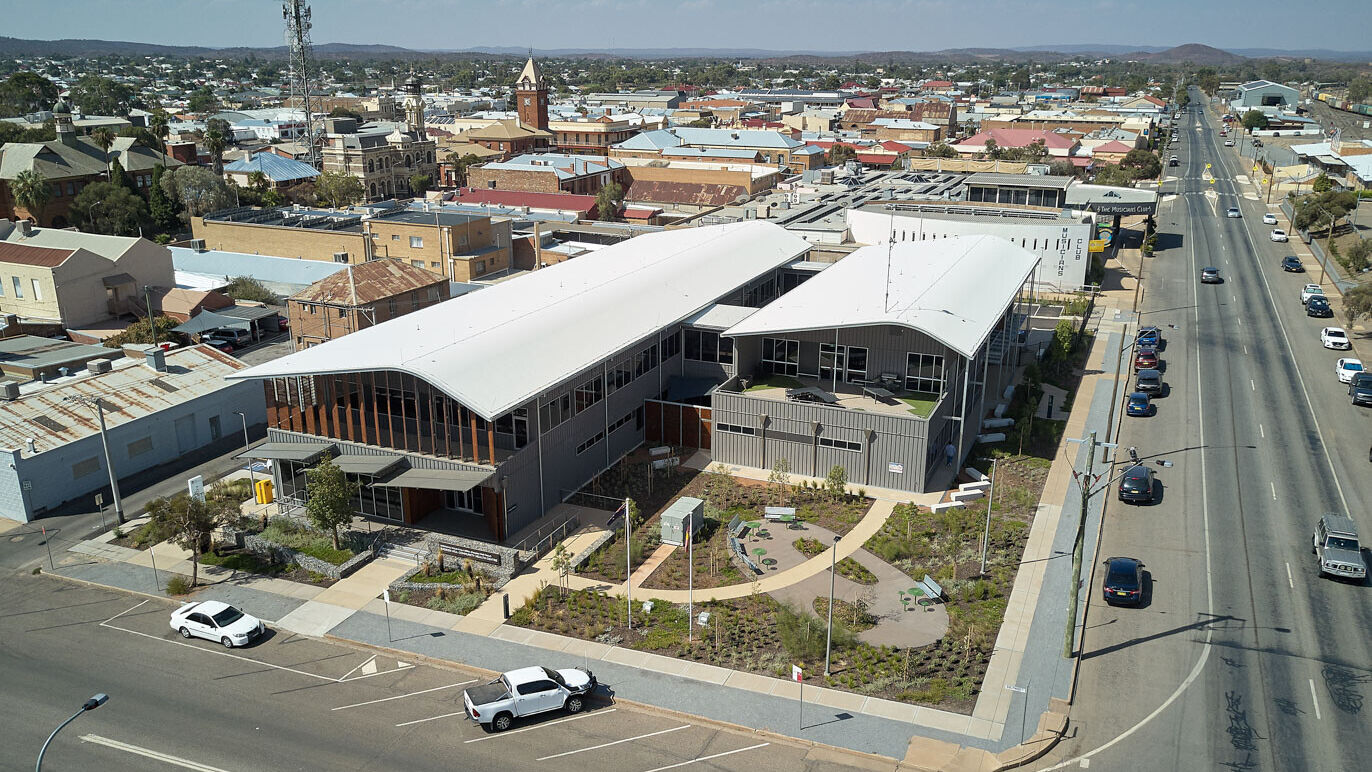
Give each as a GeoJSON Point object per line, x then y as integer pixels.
{"type": "Point", "coordinates": [895, 468]}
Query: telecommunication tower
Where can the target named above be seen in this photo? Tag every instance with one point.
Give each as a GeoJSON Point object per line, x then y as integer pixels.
{"type": "Point", "coordinates": [297, 16]}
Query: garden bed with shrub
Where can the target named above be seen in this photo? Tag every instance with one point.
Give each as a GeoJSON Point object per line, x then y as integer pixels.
{"type": "Point", "coordinates": [445, 585]}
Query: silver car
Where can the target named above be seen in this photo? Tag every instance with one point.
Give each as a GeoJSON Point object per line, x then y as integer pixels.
{"type": "Point", "coordinates": [1336, 545]}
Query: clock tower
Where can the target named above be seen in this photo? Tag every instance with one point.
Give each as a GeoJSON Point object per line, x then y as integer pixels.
{"type": "Point", "coordinates": [531, 97]}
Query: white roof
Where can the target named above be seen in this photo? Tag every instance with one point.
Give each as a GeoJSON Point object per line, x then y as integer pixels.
{"type": "Point", "coordinates": [496, 349]}
{"type": "Point", "coordinates": [953, 290]}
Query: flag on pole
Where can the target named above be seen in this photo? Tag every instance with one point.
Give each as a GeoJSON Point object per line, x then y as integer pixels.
{"type": "Point", "coordinates": [690, 585]}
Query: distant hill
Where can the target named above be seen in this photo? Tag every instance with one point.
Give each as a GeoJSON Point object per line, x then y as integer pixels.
{"type": "Point", "coordinates": [79, 47]}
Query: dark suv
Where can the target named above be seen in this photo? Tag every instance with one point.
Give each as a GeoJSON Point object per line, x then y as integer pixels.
{"type": "Point", "coordinates": [1317, 306]}
{"type": "Point", "coordinates": [1136, 486]}
{"type": "Point", "coordinates": [1360, 389]}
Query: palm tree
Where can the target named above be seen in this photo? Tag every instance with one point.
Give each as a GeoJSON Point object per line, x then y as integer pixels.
{"type": "Point", "coordinates": [214, 142]}
{"type": "Point", "coordinates": [258, 181]}
{"type": "Point", "coordinates": [31, 191]}
{"type": "Point", "coordinates": [103, 137]}
{"type": "Point", "coordinates": [160, 128]}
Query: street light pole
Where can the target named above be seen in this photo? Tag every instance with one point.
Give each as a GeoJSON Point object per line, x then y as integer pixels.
{"type": "Point", "coordinates": [147, 299]}
{"type": "Point", "coordinates": [109, 460]}
{"type": "Point", "coordinates": [91, 704]}
{"type": "Point", "coordinates": [991, 495]}
{"type": "Point", "coordinates": [1084, 483]}
{"type": "Point", "coordinates": [246, 446]}
{"type": "Point", "coordinates": [829, 635]}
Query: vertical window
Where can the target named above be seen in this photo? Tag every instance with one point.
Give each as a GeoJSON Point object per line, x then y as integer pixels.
{"type": "Point", "coordinates": [780, 357]}
{"type": "Point", "coordinates": [37, 290]}
{"type": "Point", "coordinates": [924, 372]}
{"type": "Point", "coordinates": [417, 242]}
{"type": "Point", "coordinates": [18, 287]}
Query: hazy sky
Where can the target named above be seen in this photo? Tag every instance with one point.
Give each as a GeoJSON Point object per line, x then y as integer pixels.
{"type": "Point", "coordinates": [837, 25]}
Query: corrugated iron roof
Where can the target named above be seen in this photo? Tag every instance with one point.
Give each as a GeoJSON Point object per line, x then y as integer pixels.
{"type": "Point", "coordinates": [368, 283]}
{"type": "Point", "coordinates": [686, 193]}
{"type": "Point", "coordinates": [128, 392]}
{"type": "Point", "coordinates": [23, 254]}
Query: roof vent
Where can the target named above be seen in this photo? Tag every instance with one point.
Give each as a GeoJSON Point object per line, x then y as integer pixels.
{"type": "Point", "coordinates": [97, 366]}
{"type": "Point", "coordinates": [156, 358]}
{"type": "Point", "coordinates": [25, 228]}
{"type": "Point", "coordinates": [198, 245]}
{"type": "Point", "coordinates": [9, 391]}
{"type": "Point", "coordinates": [32, 444]}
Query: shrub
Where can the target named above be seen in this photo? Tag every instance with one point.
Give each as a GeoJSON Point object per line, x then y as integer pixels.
{"type": "Point", "coordinates": [178, 585]}
{"type": "Point", "coordinates": [461, 604]}
{"type": "Point", "coordinates": [803, 635]}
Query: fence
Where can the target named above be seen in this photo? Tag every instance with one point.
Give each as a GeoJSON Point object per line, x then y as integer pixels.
{"type": "Point", "coordinates": [677, 423]}
{"type": "Point", "coordinates": [545, 537]}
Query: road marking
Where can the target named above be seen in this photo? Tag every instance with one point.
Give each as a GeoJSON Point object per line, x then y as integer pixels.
{"type": "Point", "coordinates": [1273, 483]}
{"type": "Point", "coordinates": [1245, 349]}
{"type": "Point", "coordinates": [1289, 581]}
{"type": "Point", "coordinates": [434, 718]}
{"type": "Point", "coordinates": [1252, 386]}
{"type": "Point", "coordinates": [368, 667]}
{"type": "Point", "coordinates": [1315, 698]}
{"type": "Point", "coordinates": [616, 742]}
{"type": "Point", "coordinates": [707, 758]}
{"type": "Point", "coordinates": [148, 753]}
{"type": "Point", "coordinates": [402, 696]}
{"type": "Point", "coordinates": [122, 613]}
{"type": "Point", "coordinates": [1261, 433]}
{"type": "Point", "coordinates": [1239, 319]}
{"type": "Point", "coordinates": [539, 726]}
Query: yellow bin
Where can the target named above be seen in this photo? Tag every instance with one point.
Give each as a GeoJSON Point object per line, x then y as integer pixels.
{"type": "Point", "coordinates": [263, 490]}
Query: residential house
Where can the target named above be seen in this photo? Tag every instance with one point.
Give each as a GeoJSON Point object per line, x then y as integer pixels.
{"type": "Point", "coordinates": [359, 297]}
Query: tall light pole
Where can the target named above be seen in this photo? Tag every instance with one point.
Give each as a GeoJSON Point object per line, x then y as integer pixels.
{"type": "Point", "coordinates": [109, 460]}
{"type": "Point", "coordinates": [247, 444]}
{"type": "Point", "coordinates": [147, 299]}
{"type": "Point", "coordinates": [1084, 483]}
{"type": "Point", "coordinates": [91, 704]}
{"type": "Point", "coordinates": [829, 635]}
{"type": "Point", "coordinates": [991, 495]}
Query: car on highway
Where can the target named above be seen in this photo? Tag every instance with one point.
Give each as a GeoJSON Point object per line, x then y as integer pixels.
{"type": "Point", "coordinates": [1229, 143]}
{"type": "Point", "coordinates": [1123, 583]}
{"type": "Point", "coordinates": [1233, 211]}
{"type": "Point", "coordinates": [1318, 307]}
{"type": "Point", "coordinates": [1149, 336]}
{"type": "Point", "coordinates": [527, 691]}
{"type": "Point", "coordinates": [1360, 389]}
{"type": "Point", "coordinates": [1145, 358]}
{"type": "Point", "coordinates": [1310, 291]}
{"type": "Point", "coordinates": [1136, 486]}
{"type": "Point", "coordinates": [1148, 381]}
{"type": "Point", "coordinates": [1278, 234]}
{"type": "Point", "coordinates": [1173, 161]}
{"type": "Point", "coordinates": [1139, 404]}
{"type": "Point", "coordinates": [1269, 219]}
{"type": "Point", "coordinates": [1337, 548]}
{"type": "Point", "coordinates": [1210, 275]}
{"type": "Point", "coordinates": [1334, 337]}
{"type": "Point", "coordinates": [1292, 264]}
{"type": "Point", "coordinates": [1346, 368]}
{"type": "Point", "coordinates": [216, 621]}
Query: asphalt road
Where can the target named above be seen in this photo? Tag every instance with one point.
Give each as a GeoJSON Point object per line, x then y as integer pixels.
{"type": "Point", "coordinates": [294, 703]}
{"type": "Point", "coordinates": [1241, 656]}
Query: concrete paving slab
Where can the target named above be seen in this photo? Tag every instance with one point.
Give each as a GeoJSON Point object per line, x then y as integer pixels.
{"type": "Point", "coordinates": [314, 618]}
{"type": "Point", "coordinates": [834, 698]}
{"type": "Point", "coordinates": [939, 719]}
{"type": "Point", "coordinates": [622, 656]}
{"type": "Point", "coordinates": [513, 634]}
{"type": "Point", "coordinates": [898, 711]}
{"type": "Point", "coordinates": [750, 681]}
{"type": "Point", "coordinates": [702, 672]}
{"type": "Point", "coordinates": [477, 625]}
{"type": "Point", "coordinates": [926, 753]}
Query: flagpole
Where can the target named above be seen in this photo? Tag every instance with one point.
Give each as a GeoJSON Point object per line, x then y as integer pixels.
{"type": "Point", "coordinates": [690, 583]}
{"type": "Point", "coordinates": [628, 563]}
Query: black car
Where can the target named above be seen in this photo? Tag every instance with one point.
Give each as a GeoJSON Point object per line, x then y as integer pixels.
{"type": "Point", "coordinates": [1360, 389]}
{"type": "Point", "coordinates": [1123, 583]}
{"type": "Point", "coordinates": [1318, 306]}
{"type": "Point", "coordinates": [1136, 486]}
{"type": "Point", "coordinates": [1292, 264]}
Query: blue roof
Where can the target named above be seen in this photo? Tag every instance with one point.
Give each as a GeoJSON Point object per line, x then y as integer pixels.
{"type": "Point", "coordinates": [721, 152]}
{"type": "Point", "coordinates": [274, 270]}
{"type": "Point", "coordinates": [564, 166]}
{"type": "Point", "coordinates": [276, 168]}
{"type": "Point", "coordinates": [685, 135]}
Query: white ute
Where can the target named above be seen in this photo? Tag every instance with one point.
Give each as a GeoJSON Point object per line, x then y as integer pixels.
{"type": "Point", "coordinates": [526, 692]}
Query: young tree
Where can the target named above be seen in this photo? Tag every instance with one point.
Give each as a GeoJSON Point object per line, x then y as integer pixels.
{"type": "Point", "coordinates": [104, 207]}
{"type": "Point", "coordinates": [32, 192]}
{"type": "Point", "coordinates": [780, 478]}
{"type": "Point", "coordinates": [840, 154]}
{"type": "Point", "coordinates": [338, 189]}
{"type": "Point", "coordinates": [609, 201]}
{"type": "Point", "coordinates": [329, 504]}
{"type": "Point", "coordinates": [189, 523]}
{"type": "Point", "coordinates": [1357, 302]}
{"type": "Point", "coordinates": [837, 482]}
{"type": "Point", "coordinates": [562, 564]}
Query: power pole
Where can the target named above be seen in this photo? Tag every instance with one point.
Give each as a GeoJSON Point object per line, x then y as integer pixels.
{"type": "Point", "coordinates": [1084, 483]}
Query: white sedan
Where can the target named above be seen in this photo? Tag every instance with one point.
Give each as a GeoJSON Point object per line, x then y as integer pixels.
{"type": "Point", "coordinates": [1347, 368]}
{"type": "Point", "coordinates": [1309, 291]}
{"type": "Point", "coordinates": [1269, 219]}
{"type": "Point", "coordinates": [1334, 337]}
{"type": "Point", "coordinates": [216, 621]}
{"type": "Point", "coordinates": [1278, 235]}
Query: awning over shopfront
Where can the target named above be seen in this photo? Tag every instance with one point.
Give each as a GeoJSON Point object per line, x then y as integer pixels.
{"type": "Point", "coordinates": [437, 479]}
{"type": "Point", "coordinates": [304, 452]}
{"type": "Point", "coordinates": [373, 465]}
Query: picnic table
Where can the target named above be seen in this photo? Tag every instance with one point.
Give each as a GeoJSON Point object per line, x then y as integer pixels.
{"type": "Point", "coordinates": [811, 394]}
{"type": "Point", "coordinates": [878, 393]}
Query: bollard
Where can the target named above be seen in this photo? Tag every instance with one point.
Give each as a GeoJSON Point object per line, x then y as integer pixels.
{"type": "Point", "coordinates": [505, 600]}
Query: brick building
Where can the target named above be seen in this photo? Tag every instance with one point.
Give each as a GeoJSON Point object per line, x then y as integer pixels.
{"type": "Point", "coordinates": [529, 131]}
{"type": "Point", "coordinates": [359, 297]}
{"type": "Point", "coordinates": [383, 159]}
{"type": "Point", "coordinates": [549, 173]}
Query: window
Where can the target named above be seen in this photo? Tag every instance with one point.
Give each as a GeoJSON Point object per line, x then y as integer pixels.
{"type": "Point", "coordinates": [780, 356]}
{"type": "Point", "coordinates": [828, 442]}
{"type": "Point", "coordinates": [37, 290]}
{"type": "Point", "coordinates": [735, 429]}
{"type": "Point", "coordinates": [82, 468]}
{"type": "Point", "coordinates": [671, 346]}
{"type": "Point", "coordinates": [622, 421]}
{"type": "Point", "coordinates": [342, 312]}
{"type": "Point", "coordinates": [139, 447]}
{"type": "Point", "coordinates": [589, 393]}
{"type": "Point", "coordinates": [924, 372]}
{"type": "Point", "coordinates": [851, 362]}
{"type": "Point", "coordinates": [480, 268]}
{"type": "Point", "coordinates": [18, 287]}
{"type": "Point", "coordinates": [71, 187]}
{"type": "Point", "coordinates": [468, 500]}
{"type": "Point", "coordinates": [340, 257]}
{"type": "Point", "coordinates": [590, 442]}
{"type": "Point", "coordinates": [417, 242]}
{"type": "Point", "coordinates": [215, 429]}
{"type": "Point", "coordinates": [395, 237]}
{"type": "Point", "coordinates": [417, 263]}
{"type": "Point", "coordinates": [554, 412]}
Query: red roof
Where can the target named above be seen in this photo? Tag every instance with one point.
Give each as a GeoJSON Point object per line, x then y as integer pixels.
{"type": "Point", "coordinates": [862, 104]}
{"type": "Point", "coordinates": [1079, 160]}
{"type": "Point", "coordinates": [1113, 146]}
{"type": "Point", "coordinates": [23, 254]}
{"type": "Point", "coordinates": [894, 146]}
{"type": "Point", "coordinates": [938, 84]}
{"type": "Point", "coordinates": [567, 202]}
{"type": "Point", "coordinates": [641, 212]}
{"type": "Point", "coordinates": [876, 159]}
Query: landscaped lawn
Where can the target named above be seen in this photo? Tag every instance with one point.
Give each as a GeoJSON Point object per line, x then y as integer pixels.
{"type": "Point", "coordinates": [774, 382]}
{"type": "Point", "coordinates": [300, 538]}
{"type": "Point", "coordinates": [921, 404]}
{"type": "Point", "coordinates": [242, 561]}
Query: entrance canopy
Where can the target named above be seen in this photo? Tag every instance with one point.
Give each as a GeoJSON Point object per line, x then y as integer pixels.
{"type": "Point", "coordinates": [304, 452]}
{"type": "Point", "coordinates": [460, 480]}
{"type": "Point", "coordinates": [209, 320]}
{"type": "Point", "coordinates": [369, 464]}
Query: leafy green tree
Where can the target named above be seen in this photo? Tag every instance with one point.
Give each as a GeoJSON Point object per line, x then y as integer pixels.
{"type": "Point", "coordinates": [343, 112]}
{"type": "Point", "coordinates": [189, 523]}
{"type": "Point", "coordinates": [94, 95]}
{"type": "Point", "coordinates": [160, 126]}
{"type": "Point", "coordinates": [837, 482]}
{"type": "Point", "coordinates": [1322, 184]}
{"type": "Point", "coordinates": [780, 479]}
{"type": "Point", "coordinates": [420, 183]}
{"type": "Point", "coordinates": [13, 132]}
{"type": "Point", "coordinates": [609, 201]}
{"type": "Point", "coordinates": [142, 136]}
{"type": "Point", "coordinates": [111, 209]}
{"type": "Point", "coordinates": [26, 92]}
{"type": "Point", "coordinates": [1112, 174]}
{"type": "Point", "coordinates": [940, 150]}
{"type": "Point", "coordinates": [562, 564]}
{"type": "Point", "coordinates": [1357, 302]}
{"type": "Point", "coordinates": [992, 149]}
{"type": "Point", "coordinates": [1253, 120]}
{"type": "Point", "coordinates": [32, 192]}
{"type": "Point", "coordinates": [161, 207]}
{"type": "Point", "coordinates": [202, 100]}
{"type": "Point", "coordinates": [140, 331]}
{"type": "Point", "coordinates": [248, 288]}
{"type": "Point", "coordinates": [338, 189]}
{"type": "Point", "coordinates": [1036, 151]}
{"type": "Point", "coordinates": [329, 501]}
{"type": "Point", "coordinates": [103, 138]}
{"type": "Point", "coordinates": [198, 190]}
{"type": "Point", "coordinates": [216, 139]}
{"type": "Point", "coordinates": [1141, 164]}
{"type": "Point", "coordinates": [1360, 255]}
{"type": "Point", "coordinates": [840, 154]}
{"type": "Point", "coordinates": [1062, 169]}
{"type": "Point", "coordinates": [119, 177]}
{"type": "Point", "coordinates": [461, 163]}
{"type": "Point", "coordinates": [1359, 89]}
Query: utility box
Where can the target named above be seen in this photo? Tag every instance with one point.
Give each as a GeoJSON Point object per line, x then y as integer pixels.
{"type": "Point", "coordinates": [685, 512]}
{"type": "Point", "coordinates": [263, 491]}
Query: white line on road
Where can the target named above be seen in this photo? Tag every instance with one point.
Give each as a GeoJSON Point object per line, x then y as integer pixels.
{"type": "Point", "coordinates": [707, 758]}
{"type": "Point", "coordinates": [1239, 319]}
{"type": "Point", "coordinates": [540, 726]}
{"type": "Point", "coordinates": [221, 653]}
{"type": "Point", "coordinates": [1289, 581]}
{"type": "Point", "coordinates": [1261, 432]}
{"type": "Point", "coordinates": [122, 613]}
{"type": "Point", "coordinates": [402, 696]}
{"type": "Point", "coordinates": [616, 742]}
{"type": "Point", "coordinates": [1315, 698]}
{"type": "Point", "coordinates": [1252, 386]}
{"type": "Point", "coordinates": [1273, 483]}
{"type": "Point", "coordinates": [365, 662]}
{"type": "Point", "coordinates": [149, 754]}
{"type": "Point", "coordinates": [1245, 349]}
{"type": "Point", "coordinates": [434, 718]}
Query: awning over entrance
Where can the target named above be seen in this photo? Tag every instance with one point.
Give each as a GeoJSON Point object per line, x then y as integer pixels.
{"type": "Point", "coordinates": [209, 320]}
{"type": "Point", "coordinates": [304, 452]}
{"type": "Point", "coordinates": [437, 479]}
{"type": "Point", "coordinates": [370, 464]}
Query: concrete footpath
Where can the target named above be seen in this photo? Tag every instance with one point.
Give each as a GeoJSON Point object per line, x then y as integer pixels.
{"type": "Point", "coordinates": [1020, 712]}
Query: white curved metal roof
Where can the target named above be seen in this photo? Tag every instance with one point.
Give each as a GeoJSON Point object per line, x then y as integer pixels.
{"type": "Point", "coordinates": [953, 290]}
{"type": "Point", "coordinates": [494, 350]}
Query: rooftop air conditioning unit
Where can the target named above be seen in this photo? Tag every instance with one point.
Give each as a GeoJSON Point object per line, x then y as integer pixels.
{"type": "Point", "coordinates": [198, 245]}
{"type": "Point", "coordinates": [340, 257]}
{"type": "Point", "coordinates": [97, 366]}
{"type": "Point", "coordinates": [9, 391]}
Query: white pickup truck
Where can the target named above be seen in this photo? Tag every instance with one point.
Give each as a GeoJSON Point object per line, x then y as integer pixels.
{"type": "Point", "coordinates": [528, 691]}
